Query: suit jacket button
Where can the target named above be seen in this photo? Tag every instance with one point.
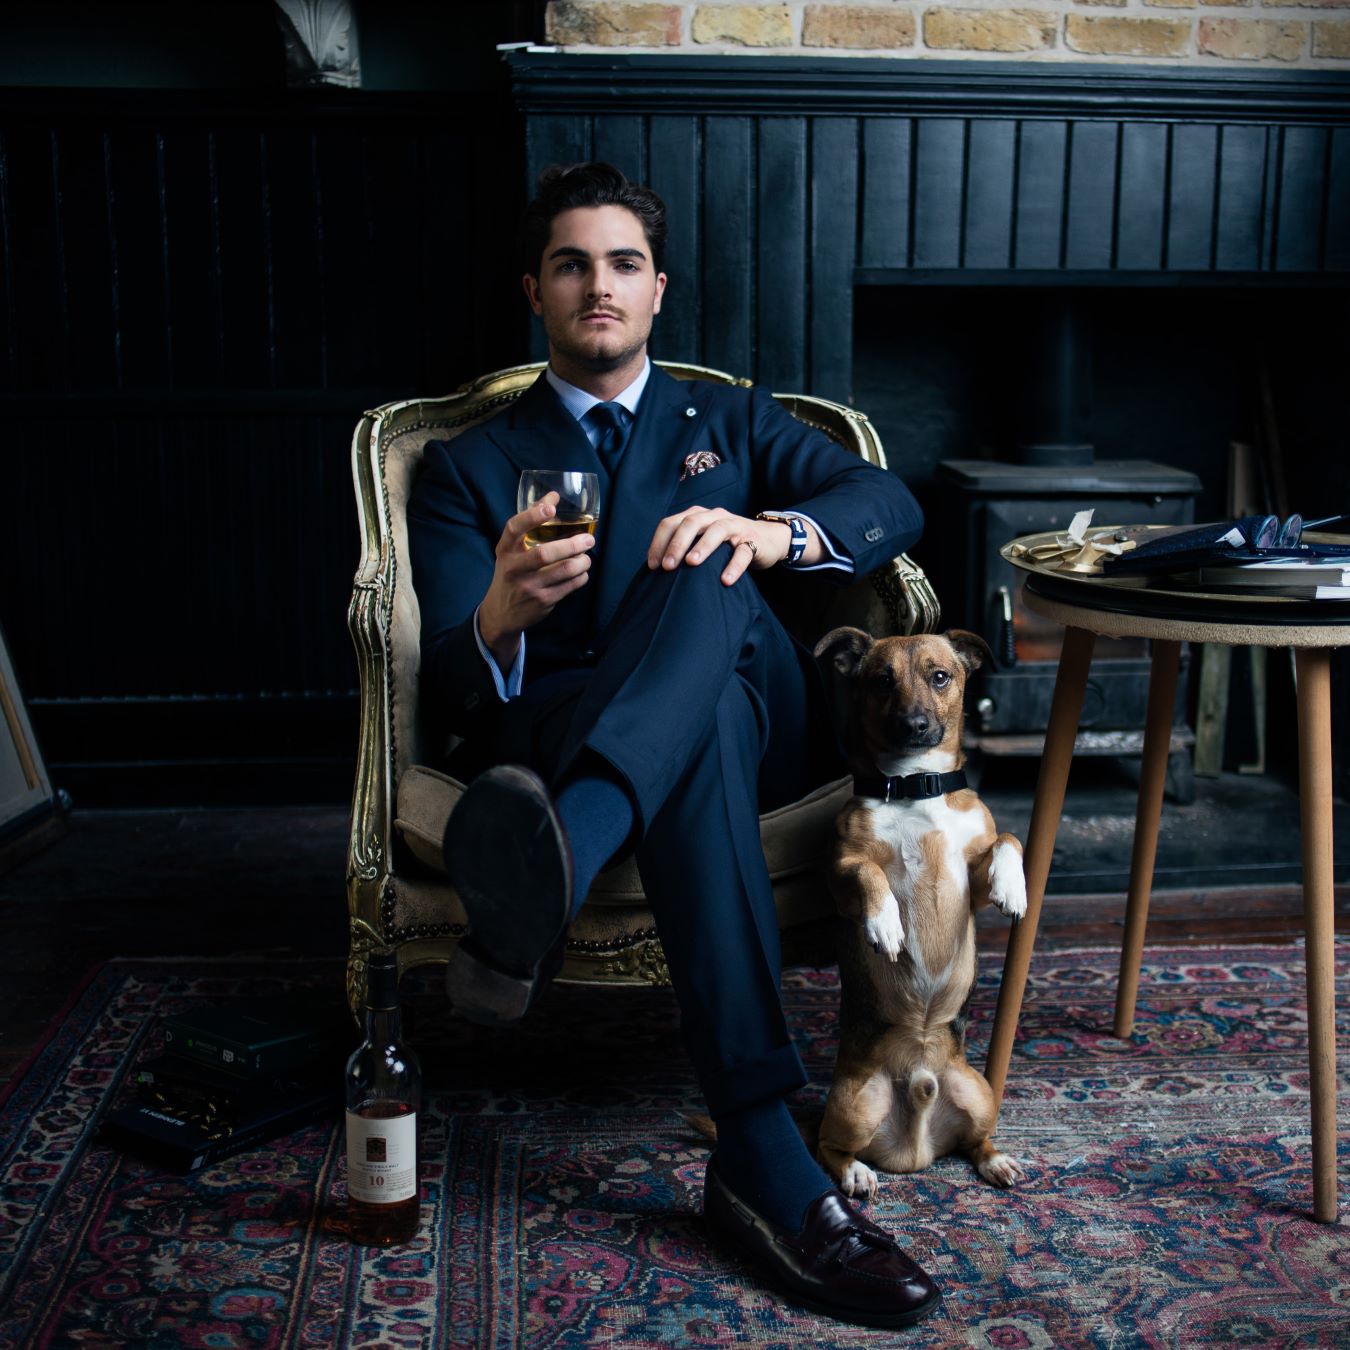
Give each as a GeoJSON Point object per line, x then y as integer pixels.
{"type": "Point", "coordinates": [590, 653]}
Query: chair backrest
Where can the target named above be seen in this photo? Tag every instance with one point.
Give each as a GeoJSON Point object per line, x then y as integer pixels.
{"type": "Point", "coordinates": [385, 620]}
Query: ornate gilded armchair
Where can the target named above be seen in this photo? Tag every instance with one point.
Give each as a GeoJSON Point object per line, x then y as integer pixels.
{"type": "Point", "coordinates": [397, 891]}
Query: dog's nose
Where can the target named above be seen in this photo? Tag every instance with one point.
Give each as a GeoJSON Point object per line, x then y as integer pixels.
{"type": "Point", "coordinates": [916, 723]}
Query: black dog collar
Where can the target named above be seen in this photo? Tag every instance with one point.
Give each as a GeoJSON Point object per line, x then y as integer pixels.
{"type": "Point", "coordinates": [913, 787]}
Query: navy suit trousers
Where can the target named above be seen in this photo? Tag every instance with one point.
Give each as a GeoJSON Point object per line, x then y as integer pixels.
{"type": "Point", "coordinates": [709, 712]}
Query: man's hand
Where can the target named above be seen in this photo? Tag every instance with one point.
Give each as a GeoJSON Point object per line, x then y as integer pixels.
{"type": "Point", "coordinates": [528, 582]}
{"type": "Point", "coordinates": [695, 533]}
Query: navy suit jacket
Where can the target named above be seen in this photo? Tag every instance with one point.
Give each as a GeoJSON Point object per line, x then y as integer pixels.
{"type": "Point", "coordinates": [467, 490]}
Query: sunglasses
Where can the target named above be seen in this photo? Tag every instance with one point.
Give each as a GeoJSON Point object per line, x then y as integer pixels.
{"type": "Point", "coordinates": [1267, 532]}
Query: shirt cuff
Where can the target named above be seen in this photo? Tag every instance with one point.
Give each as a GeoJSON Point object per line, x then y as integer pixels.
{"type": "Point", "coordinates": [837, 561]}
{"type": "Point", "coordinates": [509, 687]}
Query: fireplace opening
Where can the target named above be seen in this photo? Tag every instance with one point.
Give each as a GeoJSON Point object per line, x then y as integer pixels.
{"type": "Point", "coordinates": [1008, 408]}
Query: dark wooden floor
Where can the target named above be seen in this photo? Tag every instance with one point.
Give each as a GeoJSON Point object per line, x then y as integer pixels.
{"type": "Point", "coordinates": [260, 881]}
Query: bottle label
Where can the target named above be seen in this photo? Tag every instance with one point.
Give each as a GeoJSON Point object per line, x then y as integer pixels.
{"type": "Point", "coordinates": [381, 1158]}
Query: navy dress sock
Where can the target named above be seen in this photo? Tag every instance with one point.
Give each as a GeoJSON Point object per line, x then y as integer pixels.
{"type": "Point", "coordinates": [598, 817]}
{"type": "Point", "coordinates": [762, 1158]}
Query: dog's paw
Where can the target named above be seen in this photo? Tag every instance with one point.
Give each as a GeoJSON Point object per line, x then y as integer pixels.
{"type": "Point", "coordinates": [1001, 1169]}
{"type": "Point", "coordinates": [1007, 881]}
{"type": "Point", "coordinates": [884, 931]}
{"type": "Point", "coordinates": [859, 1182]}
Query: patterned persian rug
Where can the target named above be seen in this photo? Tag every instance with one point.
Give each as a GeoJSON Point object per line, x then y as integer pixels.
{"type": "Point", "coordinates": [1167, 1200]}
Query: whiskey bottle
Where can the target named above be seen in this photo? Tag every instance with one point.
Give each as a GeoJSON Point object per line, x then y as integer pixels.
{"type": "Point", "coordinates": [384, 1090]}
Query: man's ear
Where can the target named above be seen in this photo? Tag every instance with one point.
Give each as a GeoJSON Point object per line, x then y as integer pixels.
{"type": "Point", "coordinates": [971, 649]}
{"type": "Point", "coordinates": [844, 649]}
{"type": "Point", "coordinates": [531, 285]}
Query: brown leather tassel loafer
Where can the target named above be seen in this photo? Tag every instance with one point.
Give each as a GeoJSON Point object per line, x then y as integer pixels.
{"type": "Point", "coordinates": [508, 857]}
{"type": "Point", "coordinates": [839, 1265]}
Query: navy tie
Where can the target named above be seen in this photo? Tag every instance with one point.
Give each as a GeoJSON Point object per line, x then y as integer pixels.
{"type": "Point", "coordinates": [613, 424]}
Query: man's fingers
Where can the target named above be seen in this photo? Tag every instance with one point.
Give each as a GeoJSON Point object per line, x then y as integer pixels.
{"type": "Point", "coordinates": [521, 561]}
{"type": "Point", "coordinates": [741, 558]}
{"type": "Point", "coordinates": [553, 594]}
{"type": "Point", "coordinates": [559, 550]}
{"type": "Point", "coordinates": [709, 539]}
{"type": "Point", "coordinates": [523, 522]}
{"type": "Point", "coordinates": [660, 544]}
{"type": "Point", "coordinates": [561, 580]}
{"type": "Point", "coordinates": [691, 526]}
{"type": "Point", "coordinates": [542, 585]}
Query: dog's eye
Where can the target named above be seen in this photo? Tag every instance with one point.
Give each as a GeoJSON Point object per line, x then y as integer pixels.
{"type": "Point", "coordinates": [941, 679]}
{"type": "Point", "coordinates": [882, 680]}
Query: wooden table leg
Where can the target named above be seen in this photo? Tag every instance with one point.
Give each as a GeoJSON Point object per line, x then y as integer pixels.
{"type": "Point", "coordinates": [1162, 693]}
{"type": "Point", "coordinates": [1313, 666]}
{"type": "Point", "coordinates": [1065, 710]}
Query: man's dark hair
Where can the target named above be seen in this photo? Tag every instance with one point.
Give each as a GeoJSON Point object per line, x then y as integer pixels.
{"type": "Point", "coordinates": [564, 187]}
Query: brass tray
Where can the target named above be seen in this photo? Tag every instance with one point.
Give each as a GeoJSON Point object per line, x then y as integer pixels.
{"type": "Point", "coordinates": [1162, 585]}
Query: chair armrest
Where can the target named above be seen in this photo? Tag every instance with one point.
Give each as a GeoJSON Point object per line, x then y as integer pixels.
{"type": "Point", "coordinates": [908, 595]}
{"type": "Point", "coordinates": [368, 620]}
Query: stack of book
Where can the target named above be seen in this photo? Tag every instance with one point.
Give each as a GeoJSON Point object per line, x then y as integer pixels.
{"type": "Point", "coordinates": [1311, 578]}
{"type": "Point", "coordinates": [230, 1079]}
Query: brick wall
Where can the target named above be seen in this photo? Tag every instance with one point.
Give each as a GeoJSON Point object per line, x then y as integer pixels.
{"type": "Point", "coordinates": [1275, 33]}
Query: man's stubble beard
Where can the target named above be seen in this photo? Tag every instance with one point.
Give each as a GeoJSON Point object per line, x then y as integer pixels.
{"type": "Point", "coordinates": [602, 363]}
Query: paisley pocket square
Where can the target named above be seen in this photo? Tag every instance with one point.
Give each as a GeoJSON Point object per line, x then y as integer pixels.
{"type": "Point", "coordinates": [699, 462]}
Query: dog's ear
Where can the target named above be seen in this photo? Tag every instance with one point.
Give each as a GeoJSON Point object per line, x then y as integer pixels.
{"type": "Point", "coordinates": [971, 649]}
{"type": "Point", "coordinates": [843, 649]}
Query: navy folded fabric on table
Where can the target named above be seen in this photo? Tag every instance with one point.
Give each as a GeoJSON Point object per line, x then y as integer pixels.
{"type": "Point", "coordinates": [1251, 539]}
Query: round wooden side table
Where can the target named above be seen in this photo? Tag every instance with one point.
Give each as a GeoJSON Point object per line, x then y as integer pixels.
{"type": "Point", "coordinates": [1089, 607]}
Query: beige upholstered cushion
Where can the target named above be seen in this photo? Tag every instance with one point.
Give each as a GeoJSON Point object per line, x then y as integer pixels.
{"type": "Point", "coordinates": [795, 837]}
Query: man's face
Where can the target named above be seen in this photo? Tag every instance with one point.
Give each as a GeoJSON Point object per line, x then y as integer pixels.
{"type": "Point", "coordinates": [596, 291]}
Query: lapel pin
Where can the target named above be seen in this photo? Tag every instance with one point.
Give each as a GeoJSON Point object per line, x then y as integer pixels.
{"type": "Point", "coordinates": [690, 412]}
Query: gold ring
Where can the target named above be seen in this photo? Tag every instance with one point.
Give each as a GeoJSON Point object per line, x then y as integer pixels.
{"type": "Point", "coordinates": [751, 545]}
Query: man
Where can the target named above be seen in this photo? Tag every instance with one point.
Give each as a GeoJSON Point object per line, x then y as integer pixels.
{"type": "Point", "coordinates": [640, 676]}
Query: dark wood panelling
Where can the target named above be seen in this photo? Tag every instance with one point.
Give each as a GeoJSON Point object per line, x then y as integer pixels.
{"type": "Point", "coordinates": [1141, 203]}
{"type": "Point", "coordinates": [199, 302]}
{"type": "Point", "coordinates": [939, 190]}
{"type": "Point", "coordinates": [991, 169]}
{"type": "Point", "coordinates": [621, 140]}
{"type": "Point", "coordinates": [569, 83]}
{"type": "Point", "coordinates": [1301, 212]}
{"type": "Point", "coordinates": [1093, 179]}
{"type": "Point", "coordinates": [728, 233]}
{"type": "Point", "coordinates": [958, 171]}
{"type": "Point", "coordinates": [675, 155]}
{"type": "Point", "coordinates": [1191, 197]}
{"type": "Point", "coordinates": [834, 182]}
{"type": "Point", "coordinates": [1038, 221]}
{"type": "Point", "coordinates": [1337, 256]}
{"type": "Point", "coordinates": [1240, 222]}
{"type": "Point", "coordinates": [885, 204]}
{"type": "Point", "coordinates": [781, 264]}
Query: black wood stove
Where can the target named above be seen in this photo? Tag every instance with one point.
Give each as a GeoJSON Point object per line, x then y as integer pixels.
{"type": "Point", "coordinates": [1048, 474]}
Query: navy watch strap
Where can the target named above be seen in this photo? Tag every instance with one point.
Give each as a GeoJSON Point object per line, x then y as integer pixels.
{"type": "Point", "coordinates": [800, 537]}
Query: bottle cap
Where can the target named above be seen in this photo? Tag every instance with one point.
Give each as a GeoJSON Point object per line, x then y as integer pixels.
{"type": "Point", "coordinates": [382, 980]}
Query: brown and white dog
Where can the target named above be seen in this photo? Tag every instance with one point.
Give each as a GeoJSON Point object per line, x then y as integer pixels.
{"type": "Point", "coordinates": [918, 854]}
